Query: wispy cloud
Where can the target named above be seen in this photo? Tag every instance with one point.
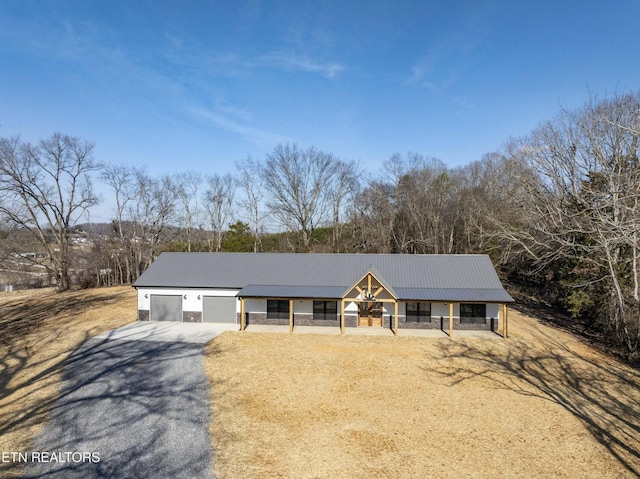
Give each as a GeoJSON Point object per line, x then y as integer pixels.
{"type": "Point", "coordinates": [231, 64]}
{"type": "Point", "coordinates": [290, 61]}
{"type": "Point", "coordinates": [221, 120]}
{"type": "Point", "coordinates": [236, 65]}
{"type": "Point", "coordinates": [433, 63]}
{"type": "Point", "coordinates": [443, 64]}
{"type": "Point", "coordinates": [57, 38]}
{"type": "Point", "coordinates": [150, 76]}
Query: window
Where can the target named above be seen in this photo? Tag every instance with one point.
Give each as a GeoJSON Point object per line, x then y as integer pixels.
{"type": "Point", "coordinates": [473, 314]}
{"type": "Point", "coordinates": [277, 309]}
{"type": "Point", "coordinates": [418, 312]}
{"type": "Point", "coordinates": [325, 310]}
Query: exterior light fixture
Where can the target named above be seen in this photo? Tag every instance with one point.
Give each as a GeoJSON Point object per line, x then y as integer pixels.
{"type": "Point", "coordinates": [146, 296]}
{"type": "Point", "coordinates": [198, 296]}
{"type": "Point", "coordinates": [185, 296]}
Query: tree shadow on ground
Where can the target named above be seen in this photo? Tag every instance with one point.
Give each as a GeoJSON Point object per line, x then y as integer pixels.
{"type": "Point", "coordinates": [142, 406]}
{"type": "Point", "coordinates": [579, 327]}
{"type": "Point", "coordinates": [34, 345]}
{"type": "Point", "coordinates": [602, 393]}
{"type": "Point", "coordinates": [25, 315]}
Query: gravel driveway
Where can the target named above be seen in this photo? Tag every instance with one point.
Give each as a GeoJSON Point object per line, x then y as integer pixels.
{"type": "Point", "coordinates": [129, 409]}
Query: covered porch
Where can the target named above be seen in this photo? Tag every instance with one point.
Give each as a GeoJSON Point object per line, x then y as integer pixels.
{"type": "Point", "coordinates": [369, 307]}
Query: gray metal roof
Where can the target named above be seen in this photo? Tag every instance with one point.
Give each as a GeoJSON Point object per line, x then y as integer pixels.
{"type": "Point", "coordinates": [463, 276]}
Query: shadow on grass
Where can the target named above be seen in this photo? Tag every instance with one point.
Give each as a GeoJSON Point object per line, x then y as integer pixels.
{"type": "Point", "coordinates": [26, 315]}
{"type": "Point", "coordinates": [603, 394]}
{"type": "Point", "coordinates": [579, 327]}
{"type": "Point", "coordinates": [22, 373]}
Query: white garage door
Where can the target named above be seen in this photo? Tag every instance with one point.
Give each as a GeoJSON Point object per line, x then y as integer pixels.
{"type": "Point", "coordinates": [219, 309]}
{"type": "Point", "coordinates": [166, 307]}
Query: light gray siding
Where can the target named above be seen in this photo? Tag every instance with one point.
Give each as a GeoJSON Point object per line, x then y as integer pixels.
{"type": "Point", "coordinates": [219, 309]}
{"type": "Point", "coordinates": [166, 307]}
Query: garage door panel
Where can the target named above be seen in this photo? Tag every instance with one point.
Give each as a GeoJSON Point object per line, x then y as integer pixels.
{"type": "Point", "coordinates": [219, 309]}
{"type": "Point", "coordinates": [166, 307]}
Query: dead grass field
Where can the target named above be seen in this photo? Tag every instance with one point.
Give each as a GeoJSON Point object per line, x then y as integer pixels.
{"type": "Point", "coordinates": [540, 404]}
{"type": "Point", "coordinates": [38, 331]}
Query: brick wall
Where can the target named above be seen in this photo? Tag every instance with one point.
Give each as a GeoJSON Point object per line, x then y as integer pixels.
{"type": "Point", "coordinates": [443, 323]}
{"type": "Point", "coordinates": [191, 317]}
{"type": "Point", "coordinates": [433, 324]}
{"type": "Point", "coordinates": [261, 318]}
{"type": "Point", "coordinates": [350, 320]}
{"type": "Point", "coordinates": [476, 327]}
{"type": "Point", "coordinates": [306, 319]}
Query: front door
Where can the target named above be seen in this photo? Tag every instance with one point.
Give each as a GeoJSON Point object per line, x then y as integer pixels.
{"type": "Point", "coordinates": [370, 314]}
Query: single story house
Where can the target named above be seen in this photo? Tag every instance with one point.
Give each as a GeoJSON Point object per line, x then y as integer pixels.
{"type": "Point", "coordinates": [395, 291]}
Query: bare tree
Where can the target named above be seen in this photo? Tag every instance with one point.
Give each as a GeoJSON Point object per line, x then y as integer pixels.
{"type": "Point", "coordinates": [46, 189]}
{"type": "Point", "coordinates": [582, 202]}
{"type": "Point", "coordinates": [251, 181]}
{"type": "Point", "coordinates": [340, 193]}
{"type": "Point", "coordinates": [425, 206]}
{"type": "Point", "coordinates": [150, 213]}
{"type": "Point", "coordinates": [218, 202]}
{"type": "Point", "coordinates": [188, 186]}
{"type": "Point", "coordinates": [492, 194]}
{"type": "Point", "coordinates": [296, 181]}
{"type": "Point", "coordinates": [121, 180]}
{"type": "Point", "coordinates": [415, 209]}
{"type": "Point", "coordinates": [372, 215]}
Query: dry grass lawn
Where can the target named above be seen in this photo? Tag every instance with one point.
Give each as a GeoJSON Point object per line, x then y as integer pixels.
{"type": "Point", "coordinates": [541, 404]}
{"type": "Point", "coordinates": [39, 330]}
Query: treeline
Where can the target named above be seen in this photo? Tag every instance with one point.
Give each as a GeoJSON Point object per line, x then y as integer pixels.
{"type": "Point", "coordinates": [558, 210]}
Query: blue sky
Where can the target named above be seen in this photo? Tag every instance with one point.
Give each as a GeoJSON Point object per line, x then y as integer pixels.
{"type": "Point", "coordinates": [186, 85]}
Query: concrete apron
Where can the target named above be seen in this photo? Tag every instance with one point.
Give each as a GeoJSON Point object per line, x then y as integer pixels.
{"type": "Point", "coordinates": [197, 333]}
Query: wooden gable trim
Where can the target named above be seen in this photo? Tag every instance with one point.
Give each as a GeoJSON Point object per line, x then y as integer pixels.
{"type": "Point", "coordinates": [370, 276]}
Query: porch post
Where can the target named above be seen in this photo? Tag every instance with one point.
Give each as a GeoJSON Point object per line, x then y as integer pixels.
{"type": "Point", "coordinates": [450, 320]}
{"type": "Point", "coordinates": [395, 318]}
{"type": "Point", "coordinates": [291, 316]}
{"type": "Point", "coordinates": [241, 314]}
{"type": "Point", "coordinates": [342, 316]}
{"type": "Point", "coordinates": [506, 321]}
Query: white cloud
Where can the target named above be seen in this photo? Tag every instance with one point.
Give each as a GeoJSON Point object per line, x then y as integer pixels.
{"type": "Point", "coordinates": [225, 122]}
{"type": "Point", "coordinates": [234, 65]}
{"type": "Point", "coordinates": [443, 63]}
{"type": "Point", "coordinates": [290, 61]}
